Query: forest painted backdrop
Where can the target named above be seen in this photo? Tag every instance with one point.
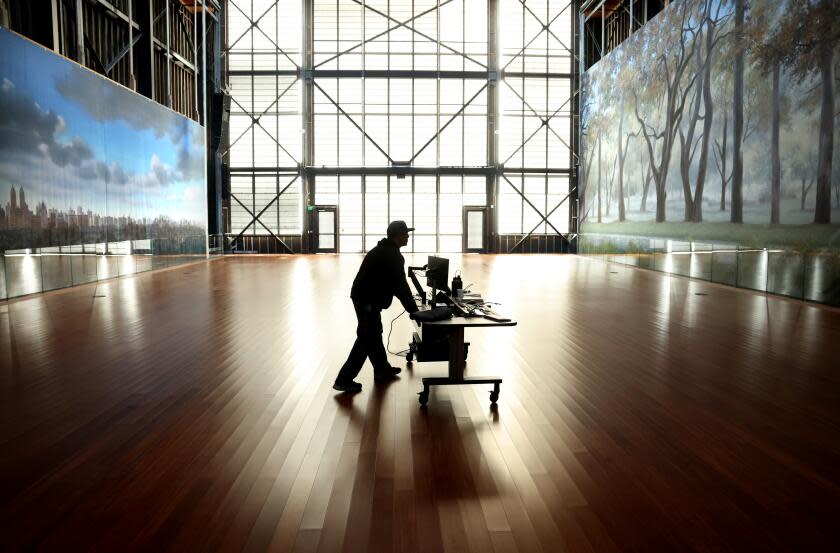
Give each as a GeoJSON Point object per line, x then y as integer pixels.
{"type": "Point", "coordinates": [718, 120]}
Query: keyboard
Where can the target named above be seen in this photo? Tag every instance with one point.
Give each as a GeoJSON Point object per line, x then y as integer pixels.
{"type": "Point", "coordinates": [459, 310]}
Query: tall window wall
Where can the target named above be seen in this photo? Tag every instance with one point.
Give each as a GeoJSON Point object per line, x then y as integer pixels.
{"type": "Point", "coordinates": [403, 110]}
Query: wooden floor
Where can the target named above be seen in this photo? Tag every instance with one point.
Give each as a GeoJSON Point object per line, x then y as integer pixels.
{"type": "Point", "coordinates": [191, 410]}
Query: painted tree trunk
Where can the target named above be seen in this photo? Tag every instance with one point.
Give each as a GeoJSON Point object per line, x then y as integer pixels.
{"type": "Point", "coordinates": [708, 119]}
{"type": "Point", "coordinates": [599, 179]}
{"type": "Point", "coordinates": [775, 162]}
{"type": "Point", "coordinates": [582, 200]}
{"type": "Point", "coordinates": [822, 213]}
{"type": "Point", "coordinates": [685, 168]}
{"type": "Point", "coordinates": [583, 174]}
{"type": "Point", "coordinates": [737, 213]}
{"type": "Point", "coordinates": [645, 189]}
{"type": "Point", "coordinates": [661, 176]}
{"type": "Point", "coordinates": [803, 195]}
{"type": "Point", "coordinates": [661, 183]}
{"type": "Point", "coordinates": [687, 142]}
{"type": "Point", "coordinates": [674, 105]}
{"type": "Point", "coordinates": [611, 182]}
{"type": "Point", "coordinates": [661, 195]}
{"type": "Point", "coordinates": [621, 153]}
{"type": "Point", "coordinates": [723, 178]}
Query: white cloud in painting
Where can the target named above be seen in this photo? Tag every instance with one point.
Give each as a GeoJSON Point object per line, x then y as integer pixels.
{"type": "Point", "coordinates": [191, 193]}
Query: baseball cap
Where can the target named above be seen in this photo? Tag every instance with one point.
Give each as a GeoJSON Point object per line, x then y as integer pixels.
{"type": "Point", "coordinates": [397, 228]}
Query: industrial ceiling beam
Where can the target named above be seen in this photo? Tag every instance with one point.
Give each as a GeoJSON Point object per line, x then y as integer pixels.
{"type": "Point", "coordinates": [401, 170]}
{"type": "Point", "coordinates": [400, 74]}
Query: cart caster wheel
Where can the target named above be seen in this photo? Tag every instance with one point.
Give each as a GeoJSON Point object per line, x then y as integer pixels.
{"type": "Point", "coordinates": [409, 358]}
{"type": "Point", "coordinates": [423, 398]}
{"type": "Point", "coordinates": [494, 397]}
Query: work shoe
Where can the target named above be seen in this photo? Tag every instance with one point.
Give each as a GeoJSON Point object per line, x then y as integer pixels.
{"type": "Point", "coordinates": [386, 374]}
{"type": "Point", "coordinates": [348, 387]}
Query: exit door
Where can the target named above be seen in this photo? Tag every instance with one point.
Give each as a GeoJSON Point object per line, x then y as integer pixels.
{"type": "Point", "coordinates": [475, 229]}
{"type": "Point", "coordinates": [326, 228]}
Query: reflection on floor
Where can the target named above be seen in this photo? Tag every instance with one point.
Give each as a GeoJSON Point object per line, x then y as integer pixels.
{"type": "Point", "coordinates": [814, 276]}
{"type": "Point", "coordinates": [23, 274]}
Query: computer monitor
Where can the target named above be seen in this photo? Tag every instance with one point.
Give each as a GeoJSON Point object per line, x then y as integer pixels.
{"type": "Point", "coordinates": [437, 273]}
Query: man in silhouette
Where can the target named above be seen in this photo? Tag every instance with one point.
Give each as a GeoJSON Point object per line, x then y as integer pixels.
{"type": "Point", "coordinates": [380, 278]}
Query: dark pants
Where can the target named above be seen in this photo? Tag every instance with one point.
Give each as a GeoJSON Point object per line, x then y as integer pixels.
{"type": "Point", "coordinates": [368, 343]}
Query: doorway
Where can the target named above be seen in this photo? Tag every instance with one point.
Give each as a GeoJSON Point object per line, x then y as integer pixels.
{"type": "Point", "coordinates": [326, 229]}
{"type": "Point", "coordinates": [475, 229]}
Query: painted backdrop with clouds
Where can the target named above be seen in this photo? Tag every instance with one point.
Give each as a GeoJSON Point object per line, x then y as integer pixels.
{"type": "Point", "coordinates": [73, 140]}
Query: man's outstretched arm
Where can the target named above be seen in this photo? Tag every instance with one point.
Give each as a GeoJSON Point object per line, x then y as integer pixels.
{"type": "Point", "coordinates": [403, 292]}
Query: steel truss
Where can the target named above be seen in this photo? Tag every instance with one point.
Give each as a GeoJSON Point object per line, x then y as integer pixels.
{"type": "Point", "coordinates": [307, 73]}
{"type": "Point", "coordinates": [255, 218]}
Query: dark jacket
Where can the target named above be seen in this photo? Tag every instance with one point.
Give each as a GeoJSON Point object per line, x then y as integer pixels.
{"type": "Point", "coordinates": [381, 277]}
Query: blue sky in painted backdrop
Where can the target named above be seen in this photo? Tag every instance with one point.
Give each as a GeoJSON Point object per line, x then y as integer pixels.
{"type": "Point", "coordinates": [137, 158]}
{"type": "Point", "coordinates": [42, 86]}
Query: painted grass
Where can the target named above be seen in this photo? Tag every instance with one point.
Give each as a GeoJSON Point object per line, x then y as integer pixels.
{"type": "Point", "coordinates": [805, 238]}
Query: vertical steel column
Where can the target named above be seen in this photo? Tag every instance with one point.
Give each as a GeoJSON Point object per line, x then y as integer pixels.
{"type": "Point", "coordinates": [204, 71]}
{"type": "Point", "coordinates": [80, 33]}
{"type": "Point", "coordinates": [55, 26]}
{"type": "Point", "coordinates": [195, 56]}
{"type": "Point", "coordinates": [308, 121]}
{"type": "Point", "coordinates": [146, 52]}
{"type": "Point", "coordinates": [575, 161]}
{"type": "Point", "coordinates": [437, 128]}
{"type": "Point", "coordinates": [131, 80]}
{"type": "Point", "coordinates": [169, 57]}
{"type": "Point", "coordinates": [217, 52]}
{"type": "Point", "coordinates": [364, 126]}
{"type": "Point", "coordinates": [581, 19]}
{"type": "Point", "coordinates": [203, 99]}
{"type": "Point", "coordinates": [223, 107]}
{"type": "Point", "coordinates": [493, 120]}
{"type": "Point", "coordinates": [603, 31]}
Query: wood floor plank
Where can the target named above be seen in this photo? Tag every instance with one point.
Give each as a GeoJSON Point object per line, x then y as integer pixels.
{"type": "Point", "coordinates": [427, 522]}
{"type": "Point", "coordinates": [338, 508]}
{"type": "Point", "coordinates": [357, 535]}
